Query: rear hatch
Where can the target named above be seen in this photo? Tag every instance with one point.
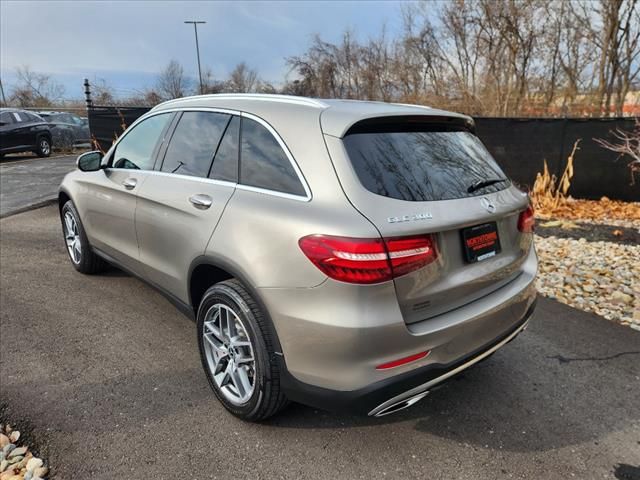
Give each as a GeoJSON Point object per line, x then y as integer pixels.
{"type": "Point", "coordinates": [431, 176]}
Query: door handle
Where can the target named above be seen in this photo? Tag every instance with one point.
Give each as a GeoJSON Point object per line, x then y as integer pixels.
{"type": "Point", "coordinates": [201, 201]}
{"type": "Point", "coordinates": [130, 183]}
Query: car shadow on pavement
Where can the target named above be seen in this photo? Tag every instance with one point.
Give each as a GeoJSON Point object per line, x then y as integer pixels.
{"type": "Point", "coordinates": [500, 404]}
{"type": "Point", "coordinates": [114, 272]}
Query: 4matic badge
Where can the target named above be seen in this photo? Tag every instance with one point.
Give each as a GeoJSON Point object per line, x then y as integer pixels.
{"type": "Point", "coordinates": [411, 218]}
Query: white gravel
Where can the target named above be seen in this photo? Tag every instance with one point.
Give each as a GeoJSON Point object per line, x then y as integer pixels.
{"type": "Point", "coordinates": [599, 277]}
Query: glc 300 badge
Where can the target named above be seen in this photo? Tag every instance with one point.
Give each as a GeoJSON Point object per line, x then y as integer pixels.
{"type": "Point", "coordinates": [410, 218]}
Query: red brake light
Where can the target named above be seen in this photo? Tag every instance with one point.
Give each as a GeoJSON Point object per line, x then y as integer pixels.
{"type": "Point", "coordinates": [526, 220]}
{"type": "Point", "coordinates": [367, 260]}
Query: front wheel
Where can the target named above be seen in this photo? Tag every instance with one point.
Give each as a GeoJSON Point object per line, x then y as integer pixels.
{"type": "Point", "coordinates": [235, 349]}
{"type": "Point", "coordinates": [80, 253]}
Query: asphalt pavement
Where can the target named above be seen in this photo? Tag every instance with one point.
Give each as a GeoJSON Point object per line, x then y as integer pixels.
{"type": "Point", "coordinates": [105, 374]}
{"type": "Point", "coordinates": [27, 182]}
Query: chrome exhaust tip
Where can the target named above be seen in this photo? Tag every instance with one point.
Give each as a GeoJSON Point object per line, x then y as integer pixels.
{"type": "Point", "coordinates": [401, 405]}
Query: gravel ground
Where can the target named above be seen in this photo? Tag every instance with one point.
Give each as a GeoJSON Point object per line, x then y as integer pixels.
{"type": "Point", "coordinates": [591, 232]}
{"type": "Point", "coordinates": [600, 277]}
{"type": "Point", "coordinates": [18, 462]}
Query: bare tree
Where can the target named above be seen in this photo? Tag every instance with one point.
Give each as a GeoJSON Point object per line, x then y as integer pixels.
{"type": "Point", "coordinates": [210, 84]}
{"type": "Point", "coordinates": [35, 89]}
{"type": "Point", "coordinates": [242, 79]}
{"type": "Point", "coordinates": [487, 57]}
{"type": "Point", "coordinates": [102, 93]}
{"type": "Point", "coordinates": [172, 82]}
{"type": "Point", "coordinates": [625, 143]}
{"type": "Point", "coordinates": [613, 27]}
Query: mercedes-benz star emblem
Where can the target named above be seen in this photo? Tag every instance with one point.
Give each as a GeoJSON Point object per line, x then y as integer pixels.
{"type": "Point", "coordinates": [486, 203]}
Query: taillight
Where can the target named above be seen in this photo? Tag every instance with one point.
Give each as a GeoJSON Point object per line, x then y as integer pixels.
{"type": "Point", "coordinates": [526, 220]}
{"type": "Point", "coordinates": [368, 260]}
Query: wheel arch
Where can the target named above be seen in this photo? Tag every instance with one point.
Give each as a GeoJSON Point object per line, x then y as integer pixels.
{"type": "Point", "coordinates": [63, 197]}
{"type": "Point", "coordinates": [47, 134]}
{"type": "Point", "coordinates": [207, 270]}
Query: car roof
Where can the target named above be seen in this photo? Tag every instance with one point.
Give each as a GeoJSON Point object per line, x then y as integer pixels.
{"type": "Point", "coordinates": [336, 116]}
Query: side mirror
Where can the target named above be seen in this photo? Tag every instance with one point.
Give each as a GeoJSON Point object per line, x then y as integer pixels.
{"type": "Point", "coordinates": [90, 161]}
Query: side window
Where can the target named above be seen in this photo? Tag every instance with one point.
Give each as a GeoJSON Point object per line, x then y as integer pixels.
{"type": "Point", "coordinates": [194, 143]}
{"type": "Point", "coordinates": [75, 119]}
{"type": "Point", "coordinates": [263, 163]}
{"type": "Point", "coordinates": [6, 118]}
{"type": "Point", "coordinates": [225, 164]}
{"type": "Point", "coordinates": [135, 150]}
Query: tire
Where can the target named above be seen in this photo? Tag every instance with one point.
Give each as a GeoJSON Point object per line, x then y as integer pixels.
{"type": "Point", "coordinates": [265, 398]}
{"type": "Point", "coordinates": [43, 146]}
{"type": "Point", "coordinates": [83, 258]}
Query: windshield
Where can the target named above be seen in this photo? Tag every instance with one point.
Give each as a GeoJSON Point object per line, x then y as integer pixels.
{"type": "Point", "coordinates": [424, 164]}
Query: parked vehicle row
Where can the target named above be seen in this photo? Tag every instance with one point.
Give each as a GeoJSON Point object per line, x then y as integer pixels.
{"type": "Point", "coordinates": [346, 255]}
{"type": "Point", "coordinates": [67, 129]}
{"type": "Point", "coordinates": [39, 132]}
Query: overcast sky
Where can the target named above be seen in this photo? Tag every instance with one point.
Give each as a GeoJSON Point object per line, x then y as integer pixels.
{"type": "Point", "coordinates": [127, 43]}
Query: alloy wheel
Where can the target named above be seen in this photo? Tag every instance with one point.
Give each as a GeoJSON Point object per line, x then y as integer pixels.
{"type": "Point", "coordinates": [72, 237]}
{"type": "Point", "coordinates": [229, 354]}
{"type": "Point", "coordinates": [45, 148]}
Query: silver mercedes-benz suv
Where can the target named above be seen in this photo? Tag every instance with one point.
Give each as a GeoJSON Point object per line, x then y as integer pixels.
{"type": "Point", "coordinates": [346, 255]}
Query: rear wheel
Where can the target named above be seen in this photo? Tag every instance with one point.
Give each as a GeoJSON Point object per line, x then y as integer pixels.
{"type": "Point", "coordinates": [236, 349]}
{"type": "Point", "coordinates": [80, 253]}
{"type": "Point", "coordinates": [43, 148]}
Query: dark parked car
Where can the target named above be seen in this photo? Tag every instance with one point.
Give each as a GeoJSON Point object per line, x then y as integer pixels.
{"type": "Point", "coordinates": [67, 129]}
{"type": "Point", "coordinates": [22, 131]}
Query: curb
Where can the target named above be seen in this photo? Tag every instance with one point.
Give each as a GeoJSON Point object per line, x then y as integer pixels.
{"type": "Point", "coordinates": [10, 161]}
{"type": "Point", "coordinates": [32, 206]}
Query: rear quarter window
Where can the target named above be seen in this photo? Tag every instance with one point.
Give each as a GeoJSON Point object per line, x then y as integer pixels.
{"type": "Point", "coordinates": [263, 162]}
{"type": "Point", "coordinates": [422, 163]}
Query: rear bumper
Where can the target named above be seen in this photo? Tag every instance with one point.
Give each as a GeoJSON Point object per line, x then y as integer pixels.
{"type": "Point", "coordinates": [381, 397]}
{"type": "Point", "coordinates": [335, 334]}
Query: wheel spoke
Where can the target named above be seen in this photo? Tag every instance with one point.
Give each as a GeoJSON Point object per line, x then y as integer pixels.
{"type": "Point", "coordinates": [219, 377]}
{"type": "Point", "coordinates": [243, 379]}
{"type": "Point", "coordinates": [239, 343]}
{"type": "Point", "coordinates": [224, 322]}
{"type": "Point", "coordinates": [217, 350]}
{"type": "Point", "coordinates": [241, 360]}
{"type": "Point", "coordinates": [67, 221]}
{"type": "Point", "coordinates": [215, 331]}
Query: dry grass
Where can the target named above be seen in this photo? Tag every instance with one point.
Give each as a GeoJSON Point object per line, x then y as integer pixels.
{"type": "Point", "coordinates": [550, 199]}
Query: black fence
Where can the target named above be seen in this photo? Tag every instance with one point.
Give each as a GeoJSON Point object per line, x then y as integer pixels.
{"type": "Point", "coordinates": [108, 123]}
{"type": "Point", "coordinates": [520, 146]}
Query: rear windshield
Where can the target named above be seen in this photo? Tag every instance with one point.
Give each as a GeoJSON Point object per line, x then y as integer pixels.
{"type": "Point", "coordinates": [423, 163]}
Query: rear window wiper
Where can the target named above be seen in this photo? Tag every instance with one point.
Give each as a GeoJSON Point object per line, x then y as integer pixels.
{"type": "Point", "coordinates": [484, 183]}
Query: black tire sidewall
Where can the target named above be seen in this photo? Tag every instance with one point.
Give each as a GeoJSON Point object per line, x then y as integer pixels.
{"type": "Point", "coordinates": [225, 294]}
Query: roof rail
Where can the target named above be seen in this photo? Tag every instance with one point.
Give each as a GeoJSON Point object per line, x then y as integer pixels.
{"type": "Point", "coordinates": [412, 105]}
{"type": "Point", "coordinates": [249, 96]}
